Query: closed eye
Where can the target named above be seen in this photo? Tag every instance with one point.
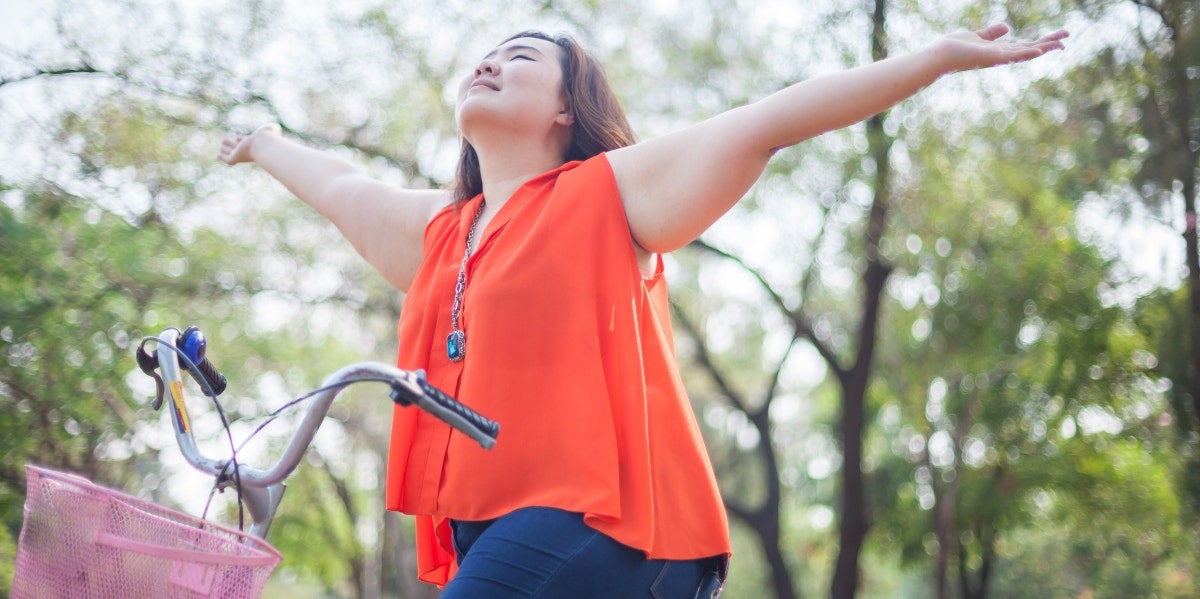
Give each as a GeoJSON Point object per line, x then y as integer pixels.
{"type": "Point", "coordinates": [522, 56]}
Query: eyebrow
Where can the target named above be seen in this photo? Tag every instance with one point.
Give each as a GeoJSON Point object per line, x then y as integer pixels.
{"type": "Point", "coordinates": [512, 48]}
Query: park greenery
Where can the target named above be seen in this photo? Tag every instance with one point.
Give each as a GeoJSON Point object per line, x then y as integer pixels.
{"type": "Point", "coordinates": [953, 351]}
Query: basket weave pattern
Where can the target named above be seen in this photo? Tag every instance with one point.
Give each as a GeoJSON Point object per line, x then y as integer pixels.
{"type": "Point", "coordinates": [80, 540]}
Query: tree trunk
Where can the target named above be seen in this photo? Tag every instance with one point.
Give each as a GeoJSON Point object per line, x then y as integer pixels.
{"type": "Point", "coordinates": [781, 577]}
{"type": "Point", "coordinates": [853, 529]}
{"type": "Point", "coordinates": [767, 525]}
{"type": "Point", "coordinates": [763, 519]}
{"type": "Point", "coordinates": [945, 529]}
{"type": "Point", "coordinates": [854, 523]}
{"type": "Point", "coordinates": [987, 557]}
{"type": "Point", "coordinates": [1189, 154]}
{"type": "Point", "coordinates": [1186, 154]}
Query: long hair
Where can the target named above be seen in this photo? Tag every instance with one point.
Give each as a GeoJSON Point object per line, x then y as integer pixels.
{"type": "Point", "coordinates": [600, 123]}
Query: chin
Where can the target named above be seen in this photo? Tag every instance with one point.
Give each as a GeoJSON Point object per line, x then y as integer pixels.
{"type": "Point", "coordinates": [475, 116]}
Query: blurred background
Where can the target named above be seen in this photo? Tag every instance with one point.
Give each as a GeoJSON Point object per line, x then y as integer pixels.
{"type": "Point", "coordinates": [949, 352]}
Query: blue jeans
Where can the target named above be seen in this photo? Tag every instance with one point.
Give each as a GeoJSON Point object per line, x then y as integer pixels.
{"type": "Point", "coordinates": [549, 553]}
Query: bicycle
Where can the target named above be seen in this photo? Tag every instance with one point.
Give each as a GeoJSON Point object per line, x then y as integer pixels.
{"type": "Point", "coordinates": [83, 540]}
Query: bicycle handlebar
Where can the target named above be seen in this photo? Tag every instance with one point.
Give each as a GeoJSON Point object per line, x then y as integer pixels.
{"type": "Point", "coordinates": [262, 489]}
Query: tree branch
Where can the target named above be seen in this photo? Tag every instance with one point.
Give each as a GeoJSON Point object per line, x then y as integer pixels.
{"type": "Point", "coordinates": [769, 394]}
{"type": "Point", "coordinates": [740, 512]}
{"type": "Point", "coordinates": [83, 69]}
{"type": "Point", "coordinates": [408, 165]}
{"type": "Point", "coordinates": [799, 320]}
{"type": "Point", "coordinates": [706, 361]}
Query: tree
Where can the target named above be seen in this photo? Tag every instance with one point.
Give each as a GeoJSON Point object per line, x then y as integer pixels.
{"type": "Point", "coordinates": [1005, 344]}
{"type": "Point", "coordinates": [1146, 128]}
{"type": "Point", "coordinates": [850, 366]}
{"type": "Point", "coordinates": [1068, 345]}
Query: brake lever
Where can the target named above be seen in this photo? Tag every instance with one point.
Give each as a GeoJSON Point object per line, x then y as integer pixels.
{"type": "Point", "coordinates": [148, 363]}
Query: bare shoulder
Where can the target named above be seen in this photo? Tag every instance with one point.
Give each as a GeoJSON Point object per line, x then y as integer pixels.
{"type": "Point", "coordinates": [675, 186]}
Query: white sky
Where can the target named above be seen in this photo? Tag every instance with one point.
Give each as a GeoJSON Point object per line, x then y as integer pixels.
{"type": "Point", "coordinates": [16, 16]}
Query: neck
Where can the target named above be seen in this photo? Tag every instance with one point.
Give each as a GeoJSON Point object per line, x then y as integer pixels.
{"type": "Point", "coordinates": [503, 167]}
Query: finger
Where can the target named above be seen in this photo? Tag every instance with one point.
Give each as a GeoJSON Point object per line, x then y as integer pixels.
{"type": "Point", "coordinates": [1059, 35]}
{"type": "Point", "coordinates": [993, 32]}
{"type": "Point", "coordinates": [228, 147]}
{"type": "Point", "coordinates": [1025, 54]}
{"type": "Point", "coordinates": [1052, 40]}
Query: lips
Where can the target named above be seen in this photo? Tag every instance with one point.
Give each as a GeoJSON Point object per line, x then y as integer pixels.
{"type": "Point", "coordinates": [485, 83]}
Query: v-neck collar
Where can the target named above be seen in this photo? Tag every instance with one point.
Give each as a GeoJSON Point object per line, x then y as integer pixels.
{"type": "Point", "coordinates": [503, 215]}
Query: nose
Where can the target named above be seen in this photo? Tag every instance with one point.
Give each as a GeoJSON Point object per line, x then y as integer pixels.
{"type": "Point", "coordinates": [487, 67]}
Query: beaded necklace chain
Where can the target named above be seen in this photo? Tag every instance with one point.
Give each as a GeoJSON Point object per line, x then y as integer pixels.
{"type": "Point", "coordinates": [456, 341]}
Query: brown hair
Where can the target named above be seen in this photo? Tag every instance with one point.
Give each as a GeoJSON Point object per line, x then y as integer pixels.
{"type": "Point", "coordinates": [600, 123]}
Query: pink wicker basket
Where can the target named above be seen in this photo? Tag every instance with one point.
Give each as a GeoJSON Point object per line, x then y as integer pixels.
{"type": "Point", "coordinates": [81, 540]}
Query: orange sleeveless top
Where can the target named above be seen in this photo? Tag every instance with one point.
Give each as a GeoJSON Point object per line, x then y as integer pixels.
{"type": "Point", "coordinates": [570, 349]}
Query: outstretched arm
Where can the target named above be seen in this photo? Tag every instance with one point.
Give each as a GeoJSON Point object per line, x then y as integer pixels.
{"type": "Point", "coordinates": [386, 225]}
{"type": "Point", "coordinates": [674, 187]}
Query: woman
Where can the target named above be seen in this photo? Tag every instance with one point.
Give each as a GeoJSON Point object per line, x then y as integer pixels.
{"type": "Point", "coordinates": [535, 295]}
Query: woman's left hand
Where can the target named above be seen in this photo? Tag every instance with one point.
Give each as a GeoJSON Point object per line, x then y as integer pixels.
{"type": "Point", "coordinates": [967, 50]}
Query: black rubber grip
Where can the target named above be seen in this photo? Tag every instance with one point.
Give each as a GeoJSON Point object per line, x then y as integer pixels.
{"type": "Point", "coordinates": [483, 425]}
{"type": "Point", "coordinates": [214, 377]}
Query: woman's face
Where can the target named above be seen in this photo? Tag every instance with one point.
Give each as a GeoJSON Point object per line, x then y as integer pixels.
{"type": "Point", "coordinates": [516, 86]}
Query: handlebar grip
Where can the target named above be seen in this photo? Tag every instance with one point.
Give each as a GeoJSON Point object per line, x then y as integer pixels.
{"type": "Point", "coordinates": [194, 345]}
{"type": "Point", "coordinates": [214, 377]}
{"type": "Point", "coordinates": [448, 409]}
{"type": "Point", "coordinates": [488, 427]}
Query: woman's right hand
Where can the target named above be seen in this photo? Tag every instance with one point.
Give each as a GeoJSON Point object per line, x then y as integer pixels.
{"type": "Point", "coordinates": [236, 148]}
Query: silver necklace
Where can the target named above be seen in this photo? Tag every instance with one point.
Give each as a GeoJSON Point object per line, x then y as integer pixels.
{"type": "Point", "coordinates": [456, 341]}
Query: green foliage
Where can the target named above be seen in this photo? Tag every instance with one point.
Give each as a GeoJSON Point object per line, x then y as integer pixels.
{"type": "Point", "coordinates": [8, 557]}
{"type": "Point", "coordinates": [1165, 318]}
{"type": "Point", "coordinates": [77, 283]}
{"type": "Point", "coordinates": [313, 506]}
{"type": "Point", "coordinates": [1014, 361]}
{"type": "Point", "coordinates": [87, 276]}
{"type": "Point", "coordinates": [1101, 531]}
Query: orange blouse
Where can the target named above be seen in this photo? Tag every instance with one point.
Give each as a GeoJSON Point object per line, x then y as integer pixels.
{"type": "Point", "coordinates": [570, 349]}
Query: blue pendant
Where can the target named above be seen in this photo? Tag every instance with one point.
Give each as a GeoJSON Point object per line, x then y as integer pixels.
{"type": "Point", "coordinates": [456, 346]}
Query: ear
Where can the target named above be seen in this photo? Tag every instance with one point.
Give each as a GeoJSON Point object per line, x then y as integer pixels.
{"type": "Point", "coordinates": [564, 118]}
